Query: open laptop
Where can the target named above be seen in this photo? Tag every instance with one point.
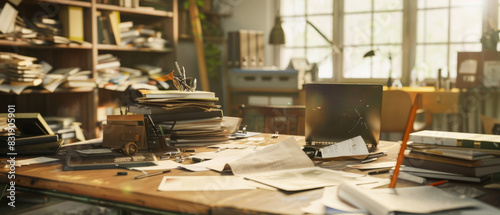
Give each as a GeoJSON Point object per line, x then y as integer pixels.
{"type": "Point", "coordinates": [337, 112]}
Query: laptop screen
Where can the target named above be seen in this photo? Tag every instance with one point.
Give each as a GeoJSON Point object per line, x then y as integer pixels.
{"type": "Point", "coordinates": [337, 112]}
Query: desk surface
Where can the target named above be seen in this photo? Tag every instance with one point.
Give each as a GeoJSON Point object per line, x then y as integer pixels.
{"type": "Point", "coordinates": [105, 185]}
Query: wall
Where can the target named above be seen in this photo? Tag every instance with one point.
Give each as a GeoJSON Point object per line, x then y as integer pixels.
{"type": "Point", "coordinates": [249, 14]}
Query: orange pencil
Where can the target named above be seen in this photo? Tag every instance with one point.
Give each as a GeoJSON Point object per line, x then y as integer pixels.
{"type": "Point", "coordinates": [408, 129]}
{"type": "Point", "coordinates": [437, 183]}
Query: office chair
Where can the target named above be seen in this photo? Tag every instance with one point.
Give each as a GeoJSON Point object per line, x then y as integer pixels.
{"type": "Point", "coordinates": [489, 123]}
{"type": "Point", "coordinates": [284, 119]}
{"type": "Point", "coordinates": [396, 106]}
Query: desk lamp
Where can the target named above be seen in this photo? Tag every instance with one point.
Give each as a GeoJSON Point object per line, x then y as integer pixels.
{"type": "Point", "coordinates": [277, 36]}
{"type": "Point", "coordinates": [371, 53]}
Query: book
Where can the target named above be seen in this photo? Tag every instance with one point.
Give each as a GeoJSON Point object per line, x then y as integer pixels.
{"type": "Point", "coordinates": [451, 152]}
{"type": "Point", "coordinates": [477, 171]}
{"type": "Point", "coordinates": [34, 82]}
{"type": "Point", "coordinates": [78, 83]}
{"type": "Point", "coordinates": [407, 200]}
{"type": "Point", "coordinates": [31, 124]}
{"type": "Point", "coordinates": [455, 161]}
{"type": "Point", "coordinates": [71, 19]}
{"type": "Point", "coordinates": [48, 148]}
{"type": "Point", "coordinates": [108, 161]}
{"type": "Point", "coordinates": [57, 77]}
{"type": "Point", "coordinates": [443, 175]}
{"type": "Point", "coordinates": [176, 94]}
{"type": "Point", "coordinates": [31, 140]}
{"type": "Point", "coordinates": [187, 115]}
{"type": "Point", "coordinates": [114, 23]}
{"type": "Point", "coordinates": [457, 139]}
{"type": "Point", "coordinates": [8, 16]}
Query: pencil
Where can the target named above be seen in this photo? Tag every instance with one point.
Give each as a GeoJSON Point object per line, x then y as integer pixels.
{"type": "Point", "coordinates": [438, 183]}
{"type": "Point", "coordinates": [408, 129]}
{"type": "Point", "coordinates": [151, 174]}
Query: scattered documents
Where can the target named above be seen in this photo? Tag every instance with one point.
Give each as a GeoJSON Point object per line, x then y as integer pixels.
{"type": "Point", "coordinates": [204, 183]}
{"type": "Point", "coordinates": [285, 166]}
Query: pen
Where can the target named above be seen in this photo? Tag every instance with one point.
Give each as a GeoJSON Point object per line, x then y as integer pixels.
{"type": "Point", "coordinates": [376, 155]}
{"type": "Point", "coordinates": [151, 174]}
{"type": "Point", "coordinates": [437, 183]}
{"type": "Point", "coordinates": [386, 170]}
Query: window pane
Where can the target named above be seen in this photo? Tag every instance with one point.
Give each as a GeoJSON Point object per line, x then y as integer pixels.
{"type": "Point", "coordinates": [357, 29]}
{"type": "Point", "coordinates": [323, 57]}
{"type": "Point", "coordinates": [432, 3]}
{"type": "Point", "coordinates": [432, 26]}
{"type": "Point", "coordinates": [294, 31]}
{"type": "Point", "coordinates": [388, 5]}
{"type": "Point", "coordinates": [292, 7]}
{"type": "Point", "coordinates": [431, 57]}
{"type": "Point", "coordinates": [357, 6]}
{"type": "Point", "coordinates": [324, 25]}
{"type": "Point", "coordinates": [382, 63]}
{"type": "Point", "coordinates": [289, 53]}
{"type": "Point", "coordinates": [466, 24]}
{"type": "Point", "coordinates": [355, 66]}
{"type": "Point", "coordinates": [466, 3]}
{"type": "Point", "coordinates": [388, 27]}
{"type": "Point", "coordinates": [320, 6]}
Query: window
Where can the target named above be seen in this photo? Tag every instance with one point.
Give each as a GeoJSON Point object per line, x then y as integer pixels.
{"type": "Point", "coordinates": [445, 28]}
{"type": "Point", "coordinates": [302, 40]}
{"type": "Point", "coordinates": [372, 25]}
{"type": "Point", "coordinates": [422, 36]}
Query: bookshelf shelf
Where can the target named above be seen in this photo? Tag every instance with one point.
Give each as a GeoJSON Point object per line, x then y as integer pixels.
{"type": "Point", "coordinates": [64, 2]}
{"type": "Point", "coordinates": [23, 44]}
{"type": "Point", "coordinates": [41, 91]}
{"type": "Point", "coordinates": [149, 12]}
{"type": "Point", "coordinates": [107, 47]}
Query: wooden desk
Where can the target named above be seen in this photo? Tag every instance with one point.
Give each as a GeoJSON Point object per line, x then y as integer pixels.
{"type": "Point", "coordinates": [104, 187]}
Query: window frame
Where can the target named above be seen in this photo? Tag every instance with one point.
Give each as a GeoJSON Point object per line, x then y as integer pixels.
{"type": "Point", "coordinates": [409, 39]}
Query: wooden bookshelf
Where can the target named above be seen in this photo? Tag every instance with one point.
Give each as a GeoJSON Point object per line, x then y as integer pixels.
{"type": "Point", "coordinates": [82, 103]}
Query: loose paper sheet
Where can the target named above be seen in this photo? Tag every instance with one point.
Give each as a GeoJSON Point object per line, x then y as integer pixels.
{"type": "Point", "coordinates": [34, 161]}
{"type": "Point", "coordinates": [468, 67]}
{"type": "Point", "coordinates": [165, 164]}
{"type": "Point", "coordinates": [303, 178]}
{"type": "Point", "coordinates": [378, 165]}
{"type": "Point", "coordinates": [352, 147]}
{"type": "Point", "coordinates": [286, 154]}
{"type": "Point", "coordinates": [422, 199]}
{"type": "Point", "coordinates": [203, 183]}
{"type": "Point", "coordinates": [491, 74]}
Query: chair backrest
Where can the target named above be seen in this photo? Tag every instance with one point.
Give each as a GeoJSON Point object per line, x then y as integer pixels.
{"type": "Point", "coordinates": [396, 106]}
{"type": "Point", "coordinates": [286, 119]}
{"type": "Point", "coordinates": [489, 123]}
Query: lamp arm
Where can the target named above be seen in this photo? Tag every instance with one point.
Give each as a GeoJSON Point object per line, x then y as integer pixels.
{"type": "Point", "coordinates": [335, 48]}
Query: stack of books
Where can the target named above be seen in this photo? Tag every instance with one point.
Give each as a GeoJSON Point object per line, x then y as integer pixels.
{"type": "Point", "coordinates": [43, 29]}
{"type": "Point", "coordinates": [189, 117]}
{"type": "Point", "coordinates": [20, 70]}
{"type": "Point", "coordinates": [454, 156]}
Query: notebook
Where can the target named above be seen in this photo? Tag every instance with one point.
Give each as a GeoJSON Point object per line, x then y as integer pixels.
{"type": "Point", "coordinates": [337, 112]}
